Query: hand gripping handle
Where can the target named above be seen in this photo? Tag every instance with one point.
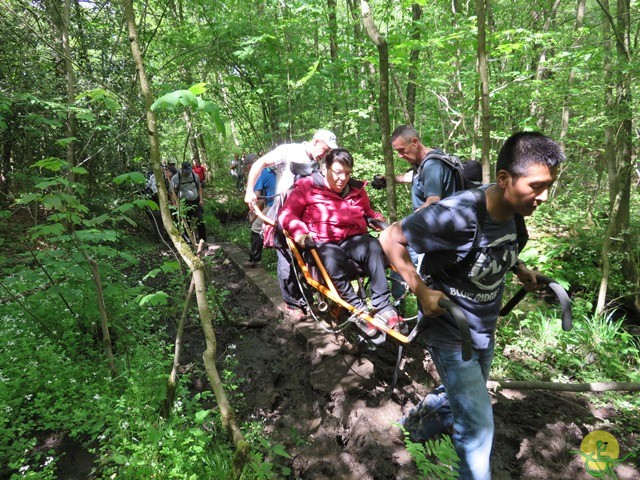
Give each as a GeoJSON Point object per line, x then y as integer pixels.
{"type": "Point", "coordinates": [561, 293]}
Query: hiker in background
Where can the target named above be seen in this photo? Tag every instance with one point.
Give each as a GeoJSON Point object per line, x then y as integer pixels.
{"type": "Point", "coordinates": [265, 189]}
{"type": "Point", "coordinates": [201, 171]}
{"type": "Point", "coordinates": [430, 178]}
{"type": "Point", "coordinates": [236, 170]}
{"type": "Point", "coordinates": [152, 193]}
{"type": "Point", "coordinates": [281, 159]}
{"type": "Point", "coordinates": [171, 164]}
{"type": "Point", "coordinates": [186, 186]}
{"type": "Point", "coordinates": [470, 242]}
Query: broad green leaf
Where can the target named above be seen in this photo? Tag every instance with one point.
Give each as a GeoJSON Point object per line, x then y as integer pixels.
{"type": "Point", "coordinates": [52, 163]}
{"type": "Point", "coordinates": [63, 142]}
{"type": "Point", "coordinates": [28, 198]}
{"type": "Point", "coordinates": [202, 415]}
{"type": "Point", "coordinates": [158, 298]}
{"type": "Point", "coordinates": [131, 177]}
{"type": "Point", "coordinates": [198, 88]}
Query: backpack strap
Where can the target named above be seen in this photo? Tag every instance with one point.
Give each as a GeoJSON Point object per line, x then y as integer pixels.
{"type": "Point", "coordinates": [451, 161]}
{"type": "Point", "coordinates": [463, 264]}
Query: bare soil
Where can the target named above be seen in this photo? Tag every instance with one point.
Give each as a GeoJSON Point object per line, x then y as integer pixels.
{"type": "Point", "coordinates": [344, 430]}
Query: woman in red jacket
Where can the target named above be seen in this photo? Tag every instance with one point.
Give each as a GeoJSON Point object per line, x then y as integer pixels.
{"type": "Point", "coordinates": [332, 209]}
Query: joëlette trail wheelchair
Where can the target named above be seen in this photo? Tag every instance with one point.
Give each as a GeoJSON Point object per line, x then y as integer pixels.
{"type": "Point", "coordinates": [319, 291]}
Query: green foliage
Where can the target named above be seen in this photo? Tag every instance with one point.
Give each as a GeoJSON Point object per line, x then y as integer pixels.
{"type": "Point", "coordinates": [597, 349]}
{"type": "Point", "coordinates": [191, 99]}
{"type": "Point", "coordinates": [435, 459]}
{"type": "Point", "coordinates": [264, 462]}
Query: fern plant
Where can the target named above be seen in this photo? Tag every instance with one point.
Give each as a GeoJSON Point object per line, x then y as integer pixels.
{"type": "Point", "coordinates": [436, 459]}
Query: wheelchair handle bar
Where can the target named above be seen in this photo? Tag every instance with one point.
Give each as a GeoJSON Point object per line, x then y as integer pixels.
{"type": "Point", "coordinates": [461, 321]}
{"type": "Point", "coordinates": [561, 293]}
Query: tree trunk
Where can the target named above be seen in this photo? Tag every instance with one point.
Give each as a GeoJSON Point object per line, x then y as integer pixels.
{"type": "Point", "coordinates": [483, 73]}
{"type": "Point", "coordinates": [383, 105]}
{"type": "Point", "coordinates": [71, 82]}
{"type": "Point", "coordinates": [619, 152]}
{"type": "Point", "coordinates": [541, 69]}
{"type": "Point", "coordinates": [172, 383]}
{"type": "Point", "coordinates": [333, 52]}
{"type": "Point", "coordinates": [566, 387]}
{"type": "Point", "coordinates": [414, 58]}
{"type": "Point", "coordinates": [191, 137]}
{"type": "Point", "coordinates": [194, 263]}
{"type": "Point", "coordinates": [566, 111]}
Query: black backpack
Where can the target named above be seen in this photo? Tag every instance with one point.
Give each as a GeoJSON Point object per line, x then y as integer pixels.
{"type": "Point", "coordinates": [465, 263]}
{"type": "Point", "coordinates": [467, 174]}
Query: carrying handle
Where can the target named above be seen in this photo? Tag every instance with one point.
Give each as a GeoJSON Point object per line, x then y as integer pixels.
{"type": "Point", "coordinates": [555, 287]}
{"type": "Point", "coordinates": [461, 322]}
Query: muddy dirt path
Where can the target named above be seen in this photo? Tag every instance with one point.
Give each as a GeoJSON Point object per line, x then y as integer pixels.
{"type": "Point", "coordinates": [337, 429]}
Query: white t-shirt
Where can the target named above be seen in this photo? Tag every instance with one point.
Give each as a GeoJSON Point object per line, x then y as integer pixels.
{"type": "Point", "coordinates": [281, 157]}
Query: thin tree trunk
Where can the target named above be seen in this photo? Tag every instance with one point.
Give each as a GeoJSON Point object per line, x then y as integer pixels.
{"type": "Point", "coordinates": [566, 110]}
{"type": "Point", "coordinates": [71, 82]}
{"type": "Point", "coordinates": [172, 383]}
{"type": "Point", "coordinates": [194, 263]}
{"type": "Point", "coordinates": [383, 104]}
{"type": "Point", "coordinates": [566, 387]}
{"type": "Point", "coordinates": [104, 318]}
{"type": "Point", "coordinates": [333, 52]}
{"type": "Point", "coordinates": [535, 110]}
{"type": "Point", "coordinates": [414, 58]}
{"type": "Point", "coordinates": [483, 73]}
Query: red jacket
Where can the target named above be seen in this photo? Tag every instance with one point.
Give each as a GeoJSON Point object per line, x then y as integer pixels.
{"type": "Point", "coordinates": [312, 207]}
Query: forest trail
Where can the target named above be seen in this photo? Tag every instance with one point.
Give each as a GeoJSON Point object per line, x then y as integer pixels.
{"type": "Point", "coordinates": [334, 413]}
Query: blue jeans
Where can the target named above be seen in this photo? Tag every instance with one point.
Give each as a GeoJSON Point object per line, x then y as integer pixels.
{"type": "Point", "coordinates": [470, 404]}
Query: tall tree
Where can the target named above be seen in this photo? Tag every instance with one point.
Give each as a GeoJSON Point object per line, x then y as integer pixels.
{"type": "Point", "coordinates": [195, 263]}
{"type": "Point", "coordinates": [383, 104]}
{"type": "Point", "coordinates": [483, 73]}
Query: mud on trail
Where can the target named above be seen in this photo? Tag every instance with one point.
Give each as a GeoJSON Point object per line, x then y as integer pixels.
{"type": "Point", "coordinates": [334, 412]}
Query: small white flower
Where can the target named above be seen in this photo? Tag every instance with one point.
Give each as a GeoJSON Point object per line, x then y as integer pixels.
{"type": "Point", "coordinates": [28, 397]}
{"type": "Point", "coordinates": [97, 396]}
{"type": "Point", "coordinates": [48, 461]}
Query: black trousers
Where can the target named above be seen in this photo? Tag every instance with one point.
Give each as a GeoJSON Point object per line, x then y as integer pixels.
{"type": "Point", "coordinates": [367, 253]}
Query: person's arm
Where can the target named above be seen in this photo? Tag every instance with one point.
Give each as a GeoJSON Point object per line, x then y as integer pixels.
{"type": "Point", "coordinates": [405, 177]}
{"type": "Point", "coordinates": [394, 243]}
{"type": "Point", "coordinates": [428, 202]}
{"type": "Point", "coordinates": [252, 178]}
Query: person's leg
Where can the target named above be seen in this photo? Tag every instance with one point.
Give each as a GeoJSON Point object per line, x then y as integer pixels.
{"type": "Point", "coordinates": [199, 216]}
{"type": "Point", "coordinates": [465, 383]}
{"type": "Point", "coordinates": [256, 247]}
{"type": "Point", "coordinates": [334, 258]}
{"type": "Point", "coordinates": [367, 252]}
{"type": "Point", "coordinates": [287, 281]}
{"type": "Point", "coordinates": [256, 239]}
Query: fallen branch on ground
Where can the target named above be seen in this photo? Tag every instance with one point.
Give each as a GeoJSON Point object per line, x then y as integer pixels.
{"type": "Point", "coordinates": [567, 387]}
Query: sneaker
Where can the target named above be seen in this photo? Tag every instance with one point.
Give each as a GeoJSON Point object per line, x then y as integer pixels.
{"type": "Point", "coordinates": [294, 313]}
{"type": "Point", "coordinates": [428, 418]}
{"type": "Point", "coordinates": [390, 317]}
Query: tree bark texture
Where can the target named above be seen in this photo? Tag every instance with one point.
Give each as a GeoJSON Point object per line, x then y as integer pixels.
{"type": "Point", "coordinates": [483, 73]}
{"type": "Point", "coordinates": [383, 104]}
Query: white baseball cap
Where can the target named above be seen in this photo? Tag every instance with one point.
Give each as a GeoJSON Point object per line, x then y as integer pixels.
{"type": "Point", "coordinates": [327, 137]}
